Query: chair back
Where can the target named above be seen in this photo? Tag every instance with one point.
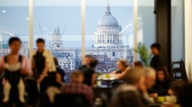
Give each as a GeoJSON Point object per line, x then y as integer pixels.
{"type": "Point", "coordinates": [179, 74]}
{"type": "Point", "coordinates": [70, 100]}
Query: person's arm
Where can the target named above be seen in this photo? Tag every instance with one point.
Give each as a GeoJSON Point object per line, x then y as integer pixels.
{"type": "Point", "coordinates": [44, 73]}
{"type": "Point", "coordinates": [26, 67]}
{"type": "Point", "coordinates": [62, 89]}
{"type": "Point", "coordinates": [93, 79]}
{"type": "Point", "coordinates": [113, 72]}
{"type": "Point", "coordinates": [33, 62]}
{"type": "Point", "coordinates": [59, 79]}
{"type": "Point", "coordinates": [121, 75]}
{"type": "Point", "coordinates": [1, 64]}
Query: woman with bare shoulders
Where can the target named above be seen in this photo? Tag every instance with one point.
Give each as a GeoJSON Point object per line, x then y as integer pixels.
{"type": "Point", "coordinates": [122, 67]}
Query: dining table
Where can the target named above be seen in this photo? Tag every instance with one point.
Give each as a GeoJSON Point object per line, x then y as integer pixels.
{"type": "Point", "coordinates": [107, 80]}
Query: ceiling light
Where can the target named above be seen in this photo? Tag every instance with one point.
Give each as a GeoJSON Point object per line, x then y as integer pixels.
{"type": "Point", "coordinates": [27, 18]}
{"type": "Point", "coordinates": [4, 11]}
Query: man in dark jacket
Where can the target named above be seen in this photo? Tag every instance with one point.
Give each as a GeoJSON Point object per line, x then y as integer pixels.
{"type": "Point", "coordinates": [89, 72]}
{"type": "Point", "coordinates": [156, 61]}
{"type": "Point", "coordinates": [86, 62]}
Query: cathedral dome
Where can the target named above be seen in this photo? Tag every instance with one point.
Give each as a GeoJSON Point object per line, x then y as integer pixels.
{"type": "Point", "coordinates": [108, 20]}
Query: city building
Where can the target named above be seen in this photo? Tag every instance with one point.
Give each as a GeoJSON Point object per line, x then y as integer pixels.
{"type": "Point", "coordinates": [107, 47]}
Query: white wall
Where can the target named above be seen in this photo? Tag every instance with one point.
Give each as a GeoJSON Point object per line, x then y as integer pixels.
{"type": "Point", "coordinates": [188, 37]}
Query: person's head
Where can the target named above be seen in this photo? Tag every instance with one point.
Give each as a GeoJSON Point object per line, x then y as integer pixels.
{"type": "Point", "coordinates": [162, 74]}
{"type": "Point", "coordinates": [87, 60]}
{"type": "Point", "coordinates": [155, 48]}
{"type": "Point", "coordinates": [138, 64]}
{"type": "Point", "coordinates": [77, 76]}
{"type": "Point", "coordinates": [135, 76]}
{"type": "Point", "coordinates": [56, 61]}
{"type": "Point", "coordinates": [14, 45]}
{"type": "Point", "coordinates": [150, 77]}
{"type": "Point", "coordinates": [40, 42]}
{"type": "Point", "coordinates": [93, 62]}
{"type": "Point", "coordinates": [122, 64]}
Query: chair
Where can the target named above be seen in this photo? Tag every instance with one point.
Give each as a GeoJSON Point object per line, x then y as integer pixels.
{"type": "Point", "coordinates": [179, 73]}
{"type": "Point", "coordinates": [32, 91]}
{"type": "Point", "coordinates": [70, 100]}
{"type": "Point", "coordinates": [99, 91]}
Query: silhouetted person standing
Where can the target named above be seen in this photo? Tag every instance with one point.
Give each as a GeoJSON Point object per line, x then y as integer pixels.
{"type": "Point", "coordinates": [44, 65]}
{"type": "Point", "coordinates": [155, 61]}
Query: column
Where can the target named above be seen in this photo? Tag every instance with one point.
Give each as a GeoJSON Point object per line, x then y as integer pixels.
{"type": "Point", "coordinates": [188, 37]}
{"type": "Point", "coordinates": [163, 30]}
{"type": "Point", "coordinates": [31, 4]}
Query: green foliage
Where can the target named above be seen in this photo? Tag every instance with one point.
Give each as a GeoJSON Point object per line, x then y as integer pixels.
{"type": "Point", "coordinates": [144, 54]}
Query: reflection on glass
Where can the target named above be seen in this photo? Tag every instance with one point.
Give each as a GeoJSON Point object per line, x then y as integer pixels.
{"type": "Point", "coordinates": [13, 23]}
{"type": "Point", "coordinates": [177, 38]}
{"type": "Point", "coordinates": [146, 22]}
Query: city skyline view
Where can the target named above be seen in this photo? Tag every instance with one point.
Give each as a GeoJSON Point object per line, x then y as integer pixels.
{"type": "Point", "coordinates": [61, 28]}
{"type": "Point", "coordinates": [69, 23]}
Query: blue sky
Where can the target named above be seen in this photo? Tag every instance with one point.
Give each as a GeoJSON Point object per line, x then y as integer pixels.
{"type": "Point", "coordinates": [67, 18]}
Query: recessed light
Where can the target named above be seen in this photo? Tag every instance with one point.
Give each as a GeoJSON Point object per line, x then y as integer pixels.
{"type": "Point", "coordinates": [4, 11]}
{"type": "Point", "coordinates": [45, 28]}
{"type": "Point", "coordinates": [27, 18]}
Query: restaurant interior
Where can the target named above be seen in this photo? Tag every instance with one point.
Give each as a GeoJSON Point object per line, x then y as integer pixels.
{"type": "Point", "coordinates": [95, 53]}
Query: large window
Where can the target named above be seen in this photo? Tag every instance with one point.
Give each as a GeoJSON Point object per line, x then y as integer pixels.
{"type": "Point", "coordinates": [146, 22]}
{"type": "Point", "coordinates": [13, 22]}
{"type": "Point", "coordinates": [177, 30]}
{"type": "Point", "coordinates": [59, 23]}
{"type": "Point", "coordinates": [109, 32]}
{"type": "Point", "coordinates": [109, 28]}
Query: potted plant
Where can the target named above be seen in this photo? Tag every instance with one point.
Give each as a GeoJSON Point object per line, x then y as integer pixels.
{"type": "Point", "coordinates": [144, 54]}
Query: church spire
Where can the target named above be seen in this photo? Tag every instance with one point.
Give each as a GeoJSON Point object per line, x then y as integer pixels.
{"type": "Point", "coordinates": [108, 9]}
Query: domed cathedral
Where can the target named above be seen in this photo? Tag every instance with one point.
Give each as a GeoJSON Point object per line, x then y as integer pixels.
{"type": "Point", "coordinates": [108, 31]}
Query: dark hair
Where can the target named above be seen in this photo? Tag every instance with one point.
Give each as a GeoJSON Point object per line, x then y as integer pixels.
{"type": "Point", "coordinates": [40, 40]}
{"type": "Point", "coordinates": [56, 61]}
{"type": "Point", "coordinates": [138, 64]}
{"type": "Point", "coordinates": [88, 56]}
{"type": "Point", "coordinates": [13, 39]}
{"type": "Point", "coordinates": [93, 62]}
{"type": "Point", "coordinates": [156, 45]}
{"type": "Point", "coordinates": [165, 72]}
